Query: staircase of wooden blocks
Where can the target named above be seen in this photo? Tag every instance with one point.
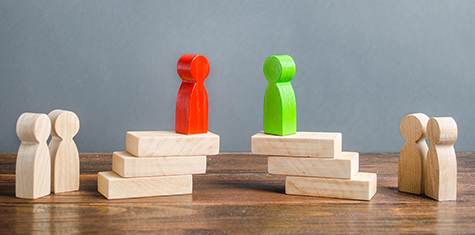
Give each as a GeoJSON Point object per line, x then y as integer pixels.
{"type": "Point", "coordinates": [314, 165]}
{"type": "Point", "coordinates": [157, 163]}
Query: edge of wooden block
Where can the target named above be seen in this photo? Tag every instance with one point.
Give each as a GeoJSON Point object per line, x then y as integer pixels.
{"type": "Point", "coordinates": [126, 165]}
{"type": "Point", "coordinates": [300, 136]}
{"type": "Point", "coordinates": [118, 164]}
{"type": "Point", "coordinates": [108, 178]}
{"type": "Point", "coordinates": [338, 145]}
{"type": "Point", "coordinates": [355, 165]}
{"type": "Point", "coordinates": [102, 184]}
{"type": "Point", "coordinates": [344, 166]}
{"type": "Point", "coordinates": [131, 144]}
{"type": "Point", "coordinates": [134, 142]}
{"type": "Point", "coordinates": [368, 181]}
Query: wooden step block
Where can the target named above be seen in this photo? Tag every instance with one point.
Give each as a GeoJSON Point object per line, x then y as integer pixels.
{"type": "Point", "coordinates": [345, 165]}
{"type": "Point", "coordinates": [112, 186]}
{"type": "Point", "coordinates": [361, 187]}
{"type": "Point", "coordinates": [170, 143]}
{"type": "Point", "coordinates": [304, 144]}
{"type": "Point", "coordinates": [126, 165]}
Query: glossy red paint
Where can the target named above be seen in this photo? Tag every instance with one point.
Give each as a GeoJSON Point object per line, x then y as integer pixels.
{"type": "Point", "coordinates": [191, 116]}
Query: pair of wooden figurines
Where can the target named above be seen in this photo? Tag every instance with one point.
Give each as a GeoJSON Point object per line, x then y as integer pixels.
{"type": "Point", "coordinates": [428, 170]}
{"type": "Point", "coordinates": [42, 168]}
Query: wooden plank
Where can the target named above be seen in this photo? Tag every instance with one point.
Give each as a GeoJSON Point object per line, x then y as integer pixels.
{"type": "Point", "coordinates": [361, 187]}
{"type": "Point", "coordinates": [170, 143]}
{"type": "Point", "coordinates": [126, 165]}
{"type": "Point", "coordinates": [344, 165]}
{"type": "Point", "coordinates": [139, 217]}
{"type": "Point", "coordinates": [238, 190]}
{"type": "Point", "coordinates": [112, 186]}
{"type": "Point", "coordinates": [242, 179]}
{"type": "Point", "coordinates": [305, 144]}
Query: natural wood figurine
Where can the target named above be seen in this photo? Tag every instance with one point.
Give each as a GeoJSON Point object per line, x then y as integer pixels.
{"type": "Point", "coordinates": [33, 164]}
{"type": "Point", "coordinates": [412, 158]}
{"type": "Point", "coordinates": [280, 112]}
{"type": "Point", "coordinates": [63, 150]}
{"type": "Point", "coordinates": [441, 164]}
{"type": "Point", "coordinates": [191, 115]}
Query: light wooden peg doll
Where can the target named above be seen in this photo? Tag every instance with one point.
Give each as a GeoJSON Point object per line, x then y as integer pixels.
{"type": "Point", "coordinates": [64, 153]}
{"type": "Point", "coordinates": [413, 154]}
{"type": "Point", "coordinates": [441, 164]}
{"type": "Point", "coordinates": [33, 164]}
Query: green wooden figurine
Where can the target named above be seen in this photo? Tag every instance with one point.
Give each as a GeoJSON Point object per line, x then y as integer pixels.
{"type": "Point", "coordinates": [280, 111]}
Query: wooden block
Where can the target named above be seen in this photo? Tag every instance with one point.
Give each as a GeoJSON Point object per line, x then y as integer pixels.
{"type": "Point", "coordinates": [304, 144]}
{"type": "Point", "coordinates": [413, 155]}
{"type": "Point", "coordinates": [191, 115]}
{"type": "Point", "coordinates": [280, 109]}
{"type": "Point", "coordinates": [64, 152]}
{"type": "Point", "coordinates": [127, 165]}
{"type": "Point", "coordinates": [441, 164]}
{"type": "Point", "coordinates": [169, 143]}
{"type": "Point", "coordinates": [361, 187]}
{"type": "Point", "coordinates": [33, 163]}
{"type": "Point", "coordinates": [113, 186]}
{"type": "Point", "coordinates": [345, 165]}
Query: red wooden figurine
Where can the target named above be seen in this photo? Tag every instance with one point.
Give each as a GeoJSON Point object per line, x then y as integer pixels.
{"type": "Point", "coordinates": [191, 115]}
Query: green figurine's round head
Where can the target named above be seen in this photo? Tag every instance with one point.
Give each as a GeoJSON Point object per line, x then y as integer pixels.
{"type": "Point", "coordinates": [279, 68]}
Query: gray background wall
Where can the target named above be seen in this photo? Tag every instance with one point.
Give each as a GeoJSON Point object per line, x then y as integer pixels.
{"type": "Point", "coordinates": [361, 65]}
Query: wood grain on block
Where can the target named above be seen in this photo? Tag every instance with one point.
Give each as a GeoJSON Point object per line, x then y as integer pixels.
{"type": "Point", "coordinates": [441, 164]}
{"type": "Point", "coordinates": [112, 186]}
{"type": "Point", "coordinates": [345, 165]}
{"type": "Point", "coordinates": [413, 155]}
{"type": "Point", "coordinates": [361, 187]}
{"type": "Point", "coordinates": [64, 152]}
{"type": "Point", "coordinates": [170, 143]}
{"type": "Point", "coordinates": [126, 165]}
{"type": "Point", "coordinates": [305, 144]}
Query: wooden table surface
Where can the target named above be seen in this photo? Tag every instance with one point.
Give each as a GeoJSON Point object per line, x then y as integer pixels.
{"type": "Point", "coordinates": [237, 196]}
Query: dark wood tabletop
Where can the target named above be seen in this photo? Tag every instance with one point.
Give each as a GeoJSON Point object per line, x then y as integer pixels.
{"type": "Point", "coordinates": [237, 196]}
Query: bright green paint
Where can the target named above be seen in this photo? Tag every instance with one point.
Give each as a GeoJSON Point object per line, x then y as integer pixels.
{"type": "Point", "coordinates": [280, 111]}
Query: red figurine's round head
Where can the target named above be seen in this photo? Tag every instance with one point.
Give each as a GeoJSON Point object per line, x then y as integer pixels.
{"type": "Point", "coordinates": [193, 68]}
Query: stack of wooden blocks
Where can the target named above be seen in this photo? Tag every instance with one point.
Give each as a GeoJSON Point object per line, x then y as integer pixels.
{"type": "Point", "coordinates": [157, 163]}
{"type": "Point", "coordinates": [314, 165]}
